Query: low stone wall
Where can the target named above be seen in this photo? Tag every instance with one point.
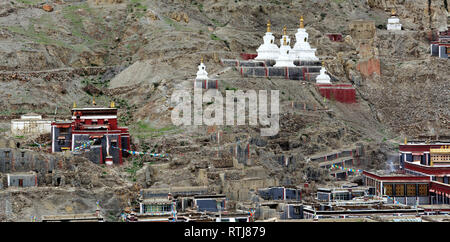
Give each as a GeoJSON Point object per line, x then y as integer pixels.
{"type": "Point", "coordinates": [306, 73]}
{"type": "Point", "coordinates": [265, 63]}
{"type": "Point", "coordinates": [206, 84]}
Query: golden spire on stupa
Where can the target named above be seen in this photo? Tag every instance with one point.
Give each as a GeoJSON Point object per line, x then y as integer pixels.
{"type": "Point", "coordinates": [268, 25]}
{"type": "Point", "coordinates": [323, 63]}
{"type": "Point", "coordinates": [393, 12]}
{"type": "Point", "coordinates": [284, 30]}
{"type": "Point", "coordinates": [74, 104]}
{"type": "Point", "coordinates": [201, 59]}
{"type": "Point", "coordinates": [302, 25]}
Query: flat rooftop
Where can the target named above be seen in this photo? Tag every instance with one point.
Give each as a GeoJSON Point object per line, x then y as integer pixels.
{"type": "Point", "coordinates": [83, 217]}
{"type": "Point", "coordinates": [388, 173]}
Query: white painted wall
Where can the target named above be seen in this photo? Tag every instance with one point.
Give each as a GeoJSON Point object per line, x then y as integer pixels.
{"type": "Point", "coordinates": [30, 127]}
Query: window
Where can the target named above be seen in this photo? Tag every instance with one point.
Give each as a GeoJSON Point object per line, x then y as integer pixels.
{"type": "Point", "coordinates": [157, 208]}
{"type": "Point", "coordinates": [64, 130]}
{"type": "Point", "coordinates": [411, 190]}
{"type": "Point", "coordinates": [297, 210]}
{"type": "Point", "coordinates": [388, 189]}
{"type": "Point", "coordinates": [7, 154]}
{"type": "Point", "coordinates": [399, 190]}
{"type": "Point", "coordinates": [423, 190]}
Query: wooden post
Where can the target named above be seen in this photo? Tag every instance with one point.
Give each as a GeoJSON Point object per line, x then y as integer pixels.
{"type": "Point", "coordinates": [248, 149]}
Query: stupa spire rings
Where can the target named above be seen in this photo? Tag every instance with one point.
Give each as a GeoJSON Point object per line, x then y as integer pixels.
{"type": "Point", "coordinates": [302, 24]}
{"type": "Point", "coordinates": [284, 30]}
{"type": "Point", "coordinates": [268, 25]}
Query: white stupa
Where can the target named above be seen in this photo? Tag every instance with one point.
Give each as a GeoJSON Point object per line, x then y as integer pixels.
{"type": "Point", "coordinates": [268, 50]}
{"type": "Point", "coordinates": [302, 50]}
{"type": "Point", "coordinates": [286, 58]}
{"type": "Point", "coordinates": [323, 78]}
{"type": "Point", "coordinates": [394, 22]}
{"type": "Point", "coordinates": [201, 73]}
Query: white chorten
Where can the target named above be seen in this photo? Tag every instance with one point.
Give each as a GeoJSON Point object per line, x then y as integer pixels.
{"type": "Point", "coordinates": [201, 73]}
{"type": "Point", "coordinates": [285, 59]}
{"type": "Point", "coordinates": [268, 50]}
{"type": "Point", "coordinates": [323, 78]}
{"type": "Point", "coordinates": [394, 22]}
{"type": "Point", "coordinates": [302, 50]}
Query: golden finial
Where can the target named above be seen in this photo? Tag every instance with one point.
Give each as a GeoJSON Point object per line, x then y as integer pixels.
{"type": "Point", "coordinates": [113, 105]}
{"type": "Point", "coordinates": [406, 141]}
{"type": "Point", "coordinates": [268, 25]}
{"type": "Point", "coordinates": [284, 41]}
{"type": "Point", "coordinates": [302, 25]}
{"type": "Point", "coordinates": [201, 59]}
{"type": "Point", "coordinates": [323, 63]}
{"type": "Point", "coordinates": [284, 30]}
{"type": "Point", "coordinates": [74, 104]}
{"type": "Point", "coordinates": [93, 101]}
{"type": "Point", "coordinates": [393, 12]}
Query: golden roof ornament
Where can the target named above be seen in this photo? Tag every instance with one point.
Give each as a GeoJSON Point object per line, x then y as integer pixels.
{"type": "Point", "coordinates": [323, 63]}
{"type": "Point", "coordinates": [93, 101]}
{"type": "Point", "coordinates": [201, 59]}
{"type": "Point", "coordinates": [393, 12]}
{"type": "Point", "coordinates": [302, 25]}
{"type": "Point", "coordinates": [443, 150]}
{"type": "Point", "coordinates": [268, 25]}
{"type": "Point", "coordinates": [113, 105]}
{"type": "Point", "coordinates": [284, 30]}
{"type": "Point", "coordinates": [74, 104]}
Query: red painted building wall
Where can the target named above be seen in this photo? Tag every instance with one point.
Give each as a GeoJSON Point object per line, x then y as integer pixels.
{"type": "Point", "coordinates": [419, 147]}
{"type": "Point", "coordinates": [335, 37]}
{"type": "Point", "coordinates": [344, 93]}
{"type": "Point", "coordinates": [430, 170]}
{"type": "Point", "coordinates": [247, 56]}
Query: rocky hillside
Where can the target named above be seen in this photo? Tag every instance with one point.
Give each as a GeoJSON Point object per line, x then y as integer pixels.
{"type": "Point", "coordinates": [138, 52]}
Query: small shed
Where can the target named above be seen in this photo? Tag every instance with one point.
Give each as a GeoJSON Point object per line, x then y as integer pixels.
{"type": "Point", "coordinates": [22, 179]}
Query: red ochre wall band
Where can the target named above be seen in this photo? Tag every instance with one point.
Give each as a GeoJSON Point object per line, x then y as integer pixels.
{"type": "Point", "coordinates": [340, 93]}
